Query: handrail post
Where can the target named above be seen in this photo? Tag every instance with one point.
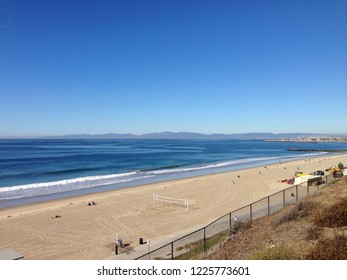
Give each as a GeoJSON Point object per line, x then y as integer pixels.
{"type": "Point", "coordinates": [297, 193]}
{"type": "Point", "coordinates": [204, 239]}
{"type": "Point", "coordinates": [172, 250]}
{"type": "Point", "coordinates": [284, 198]}
{"type": "Point", "coordinates": [250, 212]}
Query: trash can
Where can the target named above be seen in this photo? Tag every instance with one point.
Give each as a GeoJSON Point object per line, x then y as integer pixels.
{"type": "Point", "coordinates": [140, 240]}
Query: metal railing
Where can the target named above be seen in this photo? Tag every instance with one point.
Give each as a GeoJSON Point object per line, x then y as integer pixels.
{"type": "Point", "coordinates": [200, 240]}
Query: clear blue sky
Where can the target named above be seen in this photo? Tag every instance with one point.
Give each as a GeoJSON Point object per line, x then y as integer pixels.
{"type": "Point", "coordinates": [148, 66]}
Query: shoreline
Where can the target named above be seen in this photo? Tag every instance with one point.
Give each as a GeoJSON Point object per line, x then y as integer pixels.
{"type": "Point", "coordinates": [34, 230]}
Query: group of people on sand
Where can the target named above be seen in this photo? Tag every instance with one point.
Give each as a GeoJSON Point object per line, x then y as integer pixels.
{"type": "Point", "coordinates": [56, 217]}
{"type": "Point", "coordinates": [91, 203]}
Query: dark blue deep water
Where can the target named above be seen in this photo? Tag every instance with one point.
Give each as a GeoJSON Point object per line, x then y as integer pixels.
{"type": "Point", "coordinates": [47, 168]}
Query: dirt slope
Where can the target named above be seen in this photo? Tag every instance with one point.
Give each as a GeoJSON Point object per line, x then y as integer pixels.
{"type": "Point", "coordinates": [314, 228]}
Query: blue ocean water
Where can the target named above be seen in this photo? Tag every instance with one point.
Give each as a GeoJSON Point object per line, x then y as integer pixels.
{"type": "Point", "coordinates": [34, 170]}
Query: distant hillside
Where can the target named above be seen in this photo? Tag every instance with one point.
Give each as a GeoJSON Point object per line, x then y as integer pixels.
{"type": "Point", "coordinates": [190, 135]}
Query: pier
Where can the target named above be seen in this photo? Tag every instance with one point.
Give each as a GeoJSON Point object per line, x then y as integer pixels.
{"type": "Point", "coordinates": [316, 150]}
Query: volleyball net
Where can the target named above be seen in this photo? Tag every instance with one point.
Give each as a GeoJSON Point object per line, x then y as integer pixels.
{"type": "Point", "coordinates": [171, 200]}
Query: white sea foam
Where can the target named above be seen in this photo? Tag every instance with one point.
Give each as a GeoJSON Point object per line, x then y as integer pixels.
{"type": "Point", "coordinates": [67, 185]}
{"type": "Point", "coordinates": [67, 181]}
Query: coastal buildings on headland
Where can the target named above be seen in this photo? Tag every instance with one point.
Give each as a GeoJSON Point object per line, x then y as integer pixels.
{"type": "Point", "coordinates": [311, 139]}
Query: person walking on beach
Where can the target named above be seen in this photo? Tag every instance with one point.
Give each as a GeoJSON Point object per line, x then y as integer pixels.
{"type": "Point", "coordinates": [116, 247]}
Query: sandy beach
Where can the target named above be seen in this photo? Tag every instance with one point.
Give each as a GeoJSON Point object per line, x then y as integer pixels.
{"type": "Point", "coordinates": [70, 229]}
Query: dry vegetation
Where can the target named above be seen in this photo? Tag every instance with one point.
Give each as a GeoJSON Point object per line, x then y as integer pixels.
{"type": "Point", "coordinates": [314, 228]}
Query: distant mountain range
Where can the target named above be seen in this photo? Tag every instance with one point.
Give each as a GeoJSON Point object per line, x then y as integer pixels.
{"type": "Point", "coordinates": [192, 135]}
